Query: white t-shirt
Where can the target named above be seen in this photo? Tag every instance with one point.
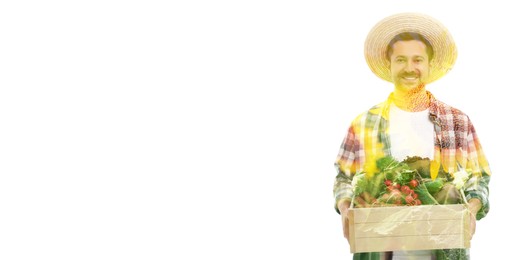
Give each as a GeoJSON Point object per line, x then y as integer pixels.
{"type": "Point", "coordinates": [411, 134]}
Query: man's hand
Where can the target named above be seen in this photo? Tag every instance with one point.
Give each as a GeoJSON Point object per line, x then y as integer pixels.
{"type": "Point", "coordinates": [343, 207]}
{"type": "Point", "coordinates": [474, 205]}
{"type": "Point", "coordinates": [364, 200]}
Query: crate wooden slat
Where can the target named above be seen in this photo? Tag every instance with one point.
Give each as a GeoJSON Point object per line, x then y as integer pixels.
{"type": "Point", "coordinates": [409, 228]}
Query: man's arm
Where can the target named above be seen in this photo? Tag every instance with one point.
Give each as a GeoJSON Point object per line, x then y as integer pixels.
{"type": "Point", "coordinates": [476, 188]}
{"type": "Point", "coordinates": [343, 206]}
{"type": "Point", "coordinates": [345, 165]}
{"type": "Point", "coordinates": [474, 205]}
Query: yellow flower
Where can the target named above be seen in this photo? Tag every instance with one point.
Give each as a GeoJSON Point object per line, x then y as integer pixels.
{"type": "Point", "coordinates": [373, 154]}
{"type": "Point", "coordinates": [370, 168]}
{"type": "Point", "coordinates": [434, 169]}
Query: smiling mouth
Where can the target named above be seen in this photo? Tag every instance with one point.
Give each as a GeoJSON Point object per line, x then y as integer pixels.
{"type": "Point", "coordinates": [409, 77]}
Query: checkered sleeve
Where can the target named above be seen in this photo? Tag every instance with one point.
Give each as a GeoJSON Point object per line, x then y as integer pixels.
{"type": "Point", "coordinates": [478, 185]}
{"type": "Point", "coordinates": [346, 164]}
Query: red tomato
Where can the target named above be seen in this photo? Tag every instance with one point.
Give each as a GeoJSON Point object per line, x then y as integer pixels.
{"type": "Point", "coordinates": [385, 197]}
{"type": "Point", "coordinates": [396, 193]}
{"type": "Point", "coordinates": [387, 182]}
{"type": "Point", "coordinates": [413, 183]}
{"type": "Point", "coordinates": [409, 199]}
{"type": "Point", "coordinates": [405, 189]}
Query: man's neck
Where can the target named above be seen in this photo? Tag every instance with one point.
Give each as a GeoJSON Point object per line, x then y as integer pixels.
{"type": "Point", "coordinates": [413, 101]}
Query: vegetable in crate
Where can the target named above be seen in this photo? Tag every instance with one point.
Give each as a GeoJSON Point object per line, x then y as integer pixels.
{"type": "Point", "coordinates": [420, 164]}
{"type": "Point", "coordinates": [394, 183]}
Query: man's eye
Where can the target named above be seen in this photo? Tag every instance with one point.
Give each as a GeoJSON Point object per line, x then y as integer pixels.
{"type": "Point", "coordinates": [400, 60]}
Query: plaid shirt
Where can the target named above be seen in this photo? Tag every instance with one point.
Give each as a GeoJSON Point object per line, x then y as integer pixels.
{"type": "Point", "coordinates": [456, 147]}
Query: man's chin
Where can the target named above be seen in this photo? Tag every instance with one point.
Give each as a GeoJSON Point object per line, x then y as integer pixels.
{"type": "Point", "coordinates": [411, 87]}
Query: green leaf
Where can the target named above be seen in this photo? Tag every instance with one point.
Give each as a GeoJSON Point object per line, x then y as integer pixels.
{"type": "Point", "coordinates": [434, 186]}
{"type": "Point", "coordinates": [448, 194]}
{"type": "Point", "coordinates": [386, 162]}
{"type": "Point", "coordinates": [424, 195]}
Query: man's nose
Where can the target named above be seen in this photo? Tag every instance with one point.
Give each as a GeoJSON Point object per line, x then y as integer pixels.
{"type": "Point", "coordinates": [409, 67]}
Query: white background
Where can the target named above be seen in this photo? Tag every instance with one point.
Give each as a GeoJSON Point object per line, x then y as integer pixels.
{"type": "Point", "coordinates": [208, 129]}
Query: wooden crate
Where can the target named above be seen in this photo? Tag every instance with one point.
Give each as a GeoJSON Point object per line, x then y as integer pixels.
{"type": "Point", "coordinates": [409, 228]}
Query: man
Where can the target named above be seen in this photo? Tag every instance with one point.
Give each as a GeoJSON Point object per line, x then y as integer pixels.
{"type": "Point", "coordinates": [411, 50]}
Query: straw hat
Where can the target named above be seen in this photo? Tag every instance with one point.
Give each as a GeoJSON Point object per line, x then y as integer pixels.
{"type": "Point", "coordinates": [445, 51]}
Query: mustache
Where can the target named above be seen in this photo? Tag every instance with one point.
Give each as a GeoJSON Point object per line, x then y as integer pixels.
{"type": "Point", "coordinates": [409, 74]}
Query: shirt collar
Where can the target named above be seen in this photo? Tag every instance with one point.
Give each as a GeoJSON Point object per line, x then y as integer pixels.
{"type": "Point", "coordinates": [384, 108]}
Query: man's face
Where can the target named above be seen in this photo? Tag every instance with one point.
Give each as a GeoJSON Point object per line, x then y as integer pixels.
{"type": "Point", "coordinates": [409, 64]}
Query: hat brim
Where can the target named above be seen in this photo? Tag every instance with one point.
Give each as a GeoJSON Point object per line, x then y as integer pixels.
{"type": "Point", "coordinates": [443, 45]}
